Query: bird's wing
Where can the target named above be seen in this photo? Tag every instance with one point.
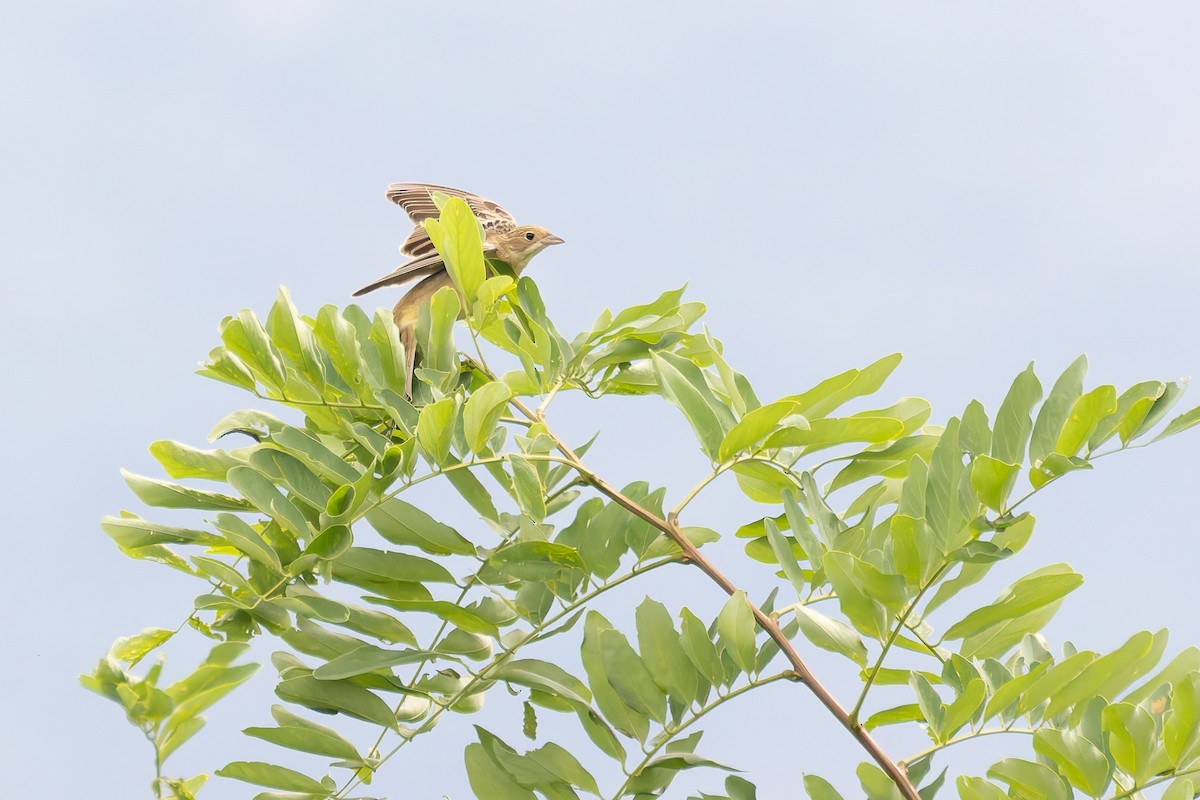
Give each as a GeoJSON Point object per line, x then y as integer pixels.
{"type": "Point", "coordinates": [417, 202]}
{"type": "Point", "coordinates": [418, 267]}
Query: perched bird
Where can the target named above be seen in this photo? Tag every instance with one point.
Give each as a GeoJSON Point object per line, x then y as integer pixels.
{"type": "Point", "coordinates": [504, 241]}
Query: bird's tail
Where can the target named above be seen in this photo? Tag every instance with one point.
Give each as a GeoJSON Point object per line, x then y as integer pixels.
{"type": "Point", "coordinates": [408, 338]}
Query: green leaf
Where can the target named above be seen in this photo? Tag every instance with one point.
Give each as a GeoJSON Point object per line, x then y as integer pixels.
{"type": "Point", "coordinates": [664, 655]}
{"type": "Point", "coordinates": [910, 712]}
{"type": "Point", "coordinates": [1108, 675]}
{"type": "Point", "coordinates": [182, 461]}
{"type": "Point", "coordinates": [1085, 417]}
{"type": "Point", "coordinates": [1032, 592]}
{"type": "Point", "coordinates": [458, 616]}
{"type": "Point", "coordinates": [330, 543]}
{"type": "Point", "coordinates": [171, 740]}
{"type": "Point", "coordinates": [163, 494]}
{"type": "Point", "coordinates": [1180, 423]}
{"type": "Point", "coordinates": [317, 455]}
{"type": "Point", "coordinates": [537, 561]}
{"type": "Point", "coordinates": [473, 491]}
{"type": "Point", "coordinates": [832, 393]}
{"type": "Point", "coordinates": [1027, 779]}
{"type": "Point", "coordinates": [762, 483]}
{"type": "Point", "coordinates": [1076, 758]}
{"type": "Point", "coordinates": [545, 677]}
{"type": "Point", "coordinates": [978, 789]}
{"type": "Point", "coordinates": [736, 631]}
{"type": "Point", "coordinates": [388, 566]}
{"type": "Point", "coordinates": [1181, 789]}
{"type": "Point", "coordinates": [248, 541]}
{"type": "Point", "coordinates": [1183, 664]}
{"type": "Point", "coordinates": [262, 774]}
{"type": "Point", "coordinates": [623, 717]}
{"type": "Point", "coordinates": [930, 703]}
{"type": "Point", "coordinates": [739, 788]}
{"type": "Point", "coordinates": [963, 708]}
{"type": "Point", "coordinates": [527, 484]}
{"type": "Point", "coordinates": [131, 532]}
{"type": "Point", "coordinates": [246, 338]}
{"type": "Point", "coordinates": [893, 461]}
{"type": "Point", "coordinates": [211, 681]}
{"type": "Point", "coordinates": [294, 338]}
{"type": "Point", "coordinates": [1131, 739]}
{"type": "Point", "coordinates": [628, 675]}
{"type": "Point", "coordinates": [818, 434]}
{"type": "Point", "coordinates": [755, 426]}
{"type": "Point", "coordinates": [665, 546]}
{"type": "Point", "coordinates": [1057, 408]}
{"type": "Point", "coordinates": [974, 434]}
{"type": "Point", "coordinates": [830, 634]}
{"type": "Point", "coordinates": [914, 553]}
{"type": "Point", "coordinates": [133, 649]}
{"type": "Point", "coordinates": [367, 658]}
{"type": "Point", "coordinates": [435, 429]}
{"type": "Point", "coordinates": [489, 780]}
{"type": "Point", "coordinates": [864, 612]}
{"type": "Point", "coordinates": [482, 412]}
{"type": "Point", "coordinates": [1052, 681]}
{"type": "Point", "coordinates": [296, 733]}
{"type": "Point", "coordinates": [339, 338]}
{"type": "Point", "coordinates": [783, 554]}
{"type": "Point", "coordinates": [1014, 536]}
{"type": "Point", "coordinates": [256, 488]}
{"type": "Point", "coordinates": [699, 647]}
{"type": "Point", "coordinates": [1181, 728]}
{"type": "Point", "coordinates": [820, 789]}
{"type": "Point", "coordinates": [993, 480]}
{"type": "Point", "coordinates": [802, 530]}
{"type": "Point", "coordinates": [876, 784]}
{"type": "Point", "coordinates": [683, 384]}
{"type": "Point", "coordinates": [945, 512]}
{"type": "Point", "coordinates": [337, 696]}
{"type": "Point", "coordinates": [404, 524]}
{"type": "Point", "coordinates": [1013, 424]}
{"type": "Point", "coordinates": [457, 236]}
{"type": "Point", "coordinates": [564, 766]}
{"type": "Point", "coordinates": [1163, 402]}
{"type": "Point", "coordinates": [289, 472]}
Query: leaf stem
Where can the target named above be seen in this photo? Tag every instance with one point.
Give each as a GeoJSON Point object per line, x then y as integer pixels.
{"type": "Point", "coordinates": [900, 624]}
{"type": "Point", "coordinates": [695, 490]}
{"type": "Point", "coordinates": [1157, 780]}
{"type": "Point", "coordinates": [966, 737]}
{"type": "Point", "coordinates": [671, 733]}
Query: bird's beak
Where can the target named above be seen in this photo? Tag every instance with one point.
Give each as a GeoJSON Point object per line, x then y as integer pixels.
{"type": "Point", "coordinates": [552, 239]}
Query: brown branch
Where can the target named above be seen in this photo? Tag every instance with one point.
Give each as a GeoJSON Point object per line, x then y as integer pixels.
{"type": "Point", "coordinates": [670, 527]}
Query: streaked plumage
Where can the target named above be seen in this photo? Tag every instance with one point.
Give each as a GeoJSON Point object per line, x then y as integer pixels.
{"type": "Point", "coordinates": [504, 240]}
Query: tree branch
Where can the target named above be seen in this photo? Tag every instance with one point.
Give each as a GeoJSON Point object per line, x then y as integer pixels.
{"type": "Point", "coordinates": [691, 553]}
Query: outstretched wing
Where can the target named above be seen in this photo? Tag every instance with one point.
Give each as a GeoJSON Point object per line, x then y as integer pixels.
{"type": "Point", "coordinates": [417, 202]}
{"type": "Point", "coordinates": [417, 268]}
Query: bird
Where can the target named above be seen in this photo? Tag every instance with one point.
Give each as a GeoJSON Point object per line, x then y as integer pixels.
{"type": "Point", "coordinates": [503, 240]}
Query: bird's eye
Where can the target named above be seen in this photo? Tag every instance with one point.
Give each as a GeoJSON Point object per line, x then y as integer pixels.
{"type": "Point", "coordinates": [529, 235]}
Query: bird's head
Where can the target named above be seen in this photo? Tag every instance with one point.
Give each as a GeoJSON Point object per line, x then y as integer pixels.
{"type": "Point", "coordinates": [517, 246]}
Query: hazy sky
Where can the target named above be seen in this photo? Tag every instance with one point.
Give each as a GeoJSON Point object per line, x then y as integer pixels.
{"type": "Point", "coordinates": [976, 185]}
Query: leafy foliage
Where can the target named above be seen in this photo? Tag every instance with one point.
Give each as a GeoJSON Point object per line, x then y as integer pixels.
{"type": "Point", "coordinates": [388, 618]}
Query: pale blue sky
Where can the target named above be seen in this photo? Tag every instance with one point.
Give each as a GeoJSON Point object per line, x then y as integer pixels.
{"type": "Point", "coordinates": [976, 185]}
